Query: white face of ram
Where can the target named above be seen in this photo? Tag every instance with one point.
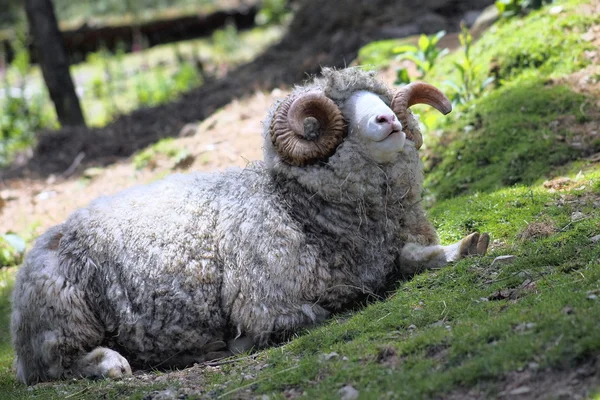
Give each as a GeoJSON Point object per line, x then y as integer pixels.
{"type": "Point", "coordinates": [375, 124]}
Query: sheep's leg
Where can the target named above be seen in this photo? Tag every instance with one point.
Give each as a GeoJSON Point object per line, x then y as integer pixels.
{"type": "Point", "coordinates": [415, 257]}
{"type": "Point", "coordinates": [102, 363]}
{"type": "Point", "coordinates": [53, 327]}
{"type": "Point", "coordinates": [473, 245]}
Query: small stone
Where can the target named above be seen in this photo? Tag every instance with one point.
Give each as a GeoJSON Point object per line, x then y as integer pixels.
{"type": "Point", "coordinates": [51, 180]}
{"type": "Point", "coordinates": [92, 172]}
{"type": "Point", "coordinates": [520, 390]}
{"type": "Point", "coordinates": [533, 365]}
{"type": "Point", "coordinates": [293, 393]}
{"type": "Point", "coordinates": [46, 195]}
{"type": "Point", "coordinates": [525, 326]}
{"type": "Point", "coordinates": [167, 394]}
{"type": "Point", "coordinates": [568, 310]}
{"type": "Point", "coordinates": [499, 295]}
{"type": "Point", "coordinates": [348, 393]}
{"type": "Point", "coordinates": [556, 10]}
{"type": "Point", "coordinates": [188, 130]}
{"type": "Point", "coordinates": [329, 356]}
{"type": "Point", "coordinates": [577, 216]}
{"type": "Point", "coordinates": [502, 260]}
{"type": "Point", "coordinates": [588, 36]}
{"type": "Point", "coordinates": [595, 239]}
{"type": "Point", "coordinates": [412, 327]}
{"type": "Point", "coordinates": [592, 296]}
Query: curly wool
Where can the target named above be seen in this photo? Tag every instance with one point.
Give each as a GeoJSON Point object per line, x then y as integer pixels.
{"type": "Point", "coordinates": [167, 273]}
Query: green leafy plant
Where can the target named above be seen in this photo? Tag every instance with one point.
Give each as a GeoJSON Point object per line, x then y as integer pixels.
{"type": "Point", "coordinates": [470, 84]}
{"type": "Point", "coordinates": [226, 40]}
{"type": "Point", "coordinates": [272, 12]}
{"type": "Point", "coordinates": [12, 248]}
{"type": "Point", "coordinates": [21, 113]}
{"type": "Point", "coordinates": [424, 55]}
{"type": "Point", "coordinates": [147, 158]}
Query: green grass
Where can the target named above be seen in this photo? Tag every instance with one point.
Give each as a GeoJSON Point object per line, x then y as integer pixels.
{"type": "Point", "coordinates": [510, 135]}
{"type": "Point", "coordinates": [504, 138]}
{"type": "Point", "coordinates": [554, 45]}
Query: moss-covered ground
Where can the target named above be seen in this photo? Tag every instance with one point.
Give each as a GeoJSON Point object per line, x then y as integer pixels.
{"type": "Point", "coordinates": [480, 328]}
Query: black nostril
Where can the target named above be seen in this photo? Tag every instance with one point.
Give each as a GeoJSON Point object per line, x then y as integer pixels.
{"type": "Point", "coordinates": [381, 119]}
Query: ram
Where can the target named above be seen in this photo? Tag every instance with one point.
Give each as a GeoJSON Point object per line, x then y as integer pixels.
{"type": "Point", "coordinates": [197, 266]}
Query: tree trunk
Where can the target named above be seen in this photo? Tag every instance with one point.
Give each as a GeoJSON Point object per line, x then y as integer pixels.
{"type": "Point", "coordinates": [53, 61]}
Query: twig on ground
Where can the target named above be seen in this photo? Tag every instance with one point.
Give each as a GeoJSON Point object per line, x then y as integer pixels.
{"type": "Point", "coordinates": [227, 360]}
{"type": "Point", "coordinates": [73, 395]}
{"type": "Point", "coordinates": [78, 159]}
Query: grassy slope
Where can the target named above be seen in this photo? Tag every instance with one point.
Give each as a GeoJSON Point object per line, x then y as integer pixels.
{"type": "Point", "coordinates": [511, 136]}
{"type": "Point", "coordinates": [471, 323]}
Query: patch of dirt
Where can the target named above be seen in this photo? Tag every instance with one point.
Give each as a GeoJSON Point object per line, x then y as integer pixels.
{"type": "Point", "coordinates": [585, 135]}
{"type": "Point", "coordinates": [388, 356]}
{"type": "Point", "coordinates": [538, 230]}
{"type": "Point", "coordinates": [560, 183]}
{"type": "Point", "coordinates": [576, 382]}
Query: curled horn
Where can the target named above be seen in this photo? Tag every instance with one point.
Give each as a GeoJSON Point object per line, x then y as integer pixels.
{"type": "Point", "coordinates": [307, 128]}
{"type": "Point", "coordinates": [418, 93]}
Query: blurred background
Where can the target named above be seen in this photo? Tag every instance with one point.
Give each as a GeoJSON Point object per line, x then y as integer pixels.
{"type": "Point", "coordinates": [126, 55]}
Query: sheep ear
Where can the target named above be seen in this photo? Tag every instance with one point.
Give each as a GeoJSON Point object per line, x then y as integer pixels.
{"type": "Point", "coordinates": [420, 93]}
{"type": "Point", "coordinates": [307, 128]}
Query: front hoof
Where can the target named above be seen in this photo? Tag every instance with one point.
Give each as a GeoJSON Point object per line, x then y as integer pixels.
{"type": "Point", "coordinates": [475, 244]}
{"type": "Point", "coordinates": [104, 363]}
{"type": "Point", "coordinates": [115, 366]}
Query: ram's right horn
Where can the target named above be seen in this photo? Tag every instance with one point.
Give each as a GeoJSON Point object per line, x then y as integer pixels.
{"type": "Point", "coordinates": [307, 128]}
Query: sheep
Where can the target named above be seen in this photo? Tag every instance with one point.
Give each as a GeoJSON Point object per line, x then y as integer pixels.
{"type": "Point", "coordinates": [199, 266]}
